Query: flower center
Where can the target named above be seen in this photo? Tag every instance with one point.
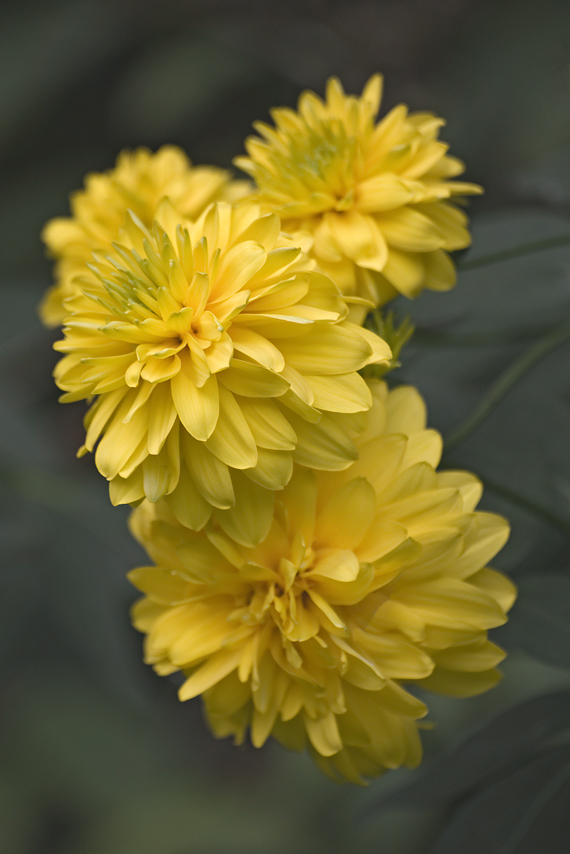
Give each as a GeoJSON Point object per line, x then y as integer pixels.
{"type": "Point", "coordinates": [324, 163]}
{"type": "Point", "coordinates": [279, 594]}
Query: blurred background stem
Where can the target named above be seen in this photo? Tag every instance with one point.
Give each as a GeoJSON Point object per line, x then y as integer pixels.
{"type": "Point", "coordinates": [501, 387]}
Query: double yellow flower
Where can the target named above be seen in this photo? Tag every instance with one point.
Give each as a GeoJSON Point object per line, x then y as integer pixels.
{"type": "Point", "coordinates": [310, 561]}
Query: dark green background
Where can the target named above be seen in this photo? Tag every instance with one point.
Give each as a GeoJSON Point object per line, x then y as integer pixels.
{"type": "Point", "coordinates": [97, 755]}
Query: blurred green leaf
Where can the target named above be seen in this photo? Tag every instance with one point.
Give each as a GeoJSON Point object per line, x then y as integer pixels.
{"type": "Point", "coordinates": [513, 735]}
{"type": "Point", "coordinates": [506, 87]}
{"type": "Point", "coordinates": [523, 813]}
{"type": "Point", "coordinates": [513, 434]}
{"type": "Point", "coordinates": [540, 621]}
{"type": "Point", "coordinates": [507, 380]}
{"type": "Point", "coordinates": [44, 50]}
{"type": "Point", "coordinates": [530, 290]}
{"type": "Point", "coordinates": [151, 102]}
{"type": "Point", "coordinates": [20, 586]}
{"type": "Point", "coordinates": [548, 179]}
{"type": "Point", "coordinates": [68, 741]}
{"type": "Point", "coordinates": [19, 824]}
{"type": "Point", "coordinates": [176, 818]}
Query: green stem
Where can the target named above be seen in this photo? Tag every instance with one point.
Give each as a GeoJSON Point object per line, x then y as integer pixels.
{"type": "Point", "coordinates": [506, 381]}
{"type": "Point", "coordinates": [430, 337]}
{"type": "Point", "coordinates": [528, 504]}
{"type": "Point", "coordinates": [516, 252]}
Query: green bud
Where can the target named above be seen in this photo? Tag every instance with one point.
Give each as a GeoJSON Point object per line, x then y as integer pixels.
{"type": "Point", "coordinates": [385, 325]}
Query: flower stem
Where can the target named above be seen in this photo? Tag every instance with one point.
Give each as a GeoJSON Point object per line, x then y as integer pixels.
{"type": "Point", "coordinates": [506, 381]}
{"type": "Point", "coordinates": [516, 252]}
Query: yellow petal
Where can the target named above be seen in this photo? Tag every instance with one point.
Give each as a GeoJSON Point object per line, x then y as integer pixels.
{"type": "Point", "coordinates": [338, 529]}
{"type": "Point", "coordinates": [120, 440]}
{"type": "Point", "coordinates": [300, 500]}
{"type": "Point", "coordinates": [273, 468]}
{"type": "Point", "coordinates": [99, 415]}
{"type": "Point", "coordinates": [282, 295]}
{"type": "Point", "coordinates": [156, 478]}
{"type": "Point", "coordinates": [324, 735]}
{"type": "Point", "coordinates": [251, 380]}
{"type": "Point", "coordinates": [440, 273]}
{"type": "Point", "coordinates": [468, 485]}
{"type": "Point", "coordinates": [232, 440]}
{"type": "Point", "coordinates": [126, 490]}
{"type": "Point", "coordinates": [187, 503]}
{"type": "Point", "coordinates": [327, 349]}
{"type": "Point", "coordinates": [220, 354]}
{"type": "Point", "coordinates": [268, 425]}
{"type": "Point", "coordinates": [264, 230]}
{"type": "Point", "coordinates": [248, 522]}
{"type": "Point", "coordinates": [237, 266]}
{"type": "Point", "coordinates": [197, 293]}
{"type": "Point", "coordinates": [453, 683]}
{"type": "Point", "coordinates": [472, 658]}
{"type": "Point", "coordinates": [341, 393]}
{"type": "Point", "coordinates": [496, 585]}
{"type": "Point", "coordinates": [380, 351]}
{"type": "Point", "coordinates": [405, 271]}
{"type": "Point", "coordinates": [277, 262]}
{"type": "Point", "coordinates": [410, 230]}
{"type": "Point", "coordinates": [382, 193]}
{"type": "Point", "coordinates": [450, 222]}
{"type": "Point", "coordinates": [380, 539]}
{"type": "Point", "coordinates": [358, 237]}
{"type": "Point", "coordinates": [322, 446]}
{"type": "Point", "coordinates": [380, 460]}
{"type": "Point", "coordinates": [372, 92]}
{"type": "Point", "coordinates": [338, 564]}
{"type": "Point", "coordinates": [160, 370]}
{"type": "Point", "coordinates": [210, 475]}
{"type": "Point", "coordinates": [213, 671]}
{"type": "Point", "coordinates": [423, 447]}
{"type": "Point", "coordinates": [197, 408]}
{"type": "Point", "coordinates": [395, 658]}
{"type": "Point", "coordinates": [405, 411]}
{"type": "Point", "coordinates": [257, 348]}
{"type": "Point", "coordinates": [449, 603]}
{"type": "Point", "coordinates": [162, 416]}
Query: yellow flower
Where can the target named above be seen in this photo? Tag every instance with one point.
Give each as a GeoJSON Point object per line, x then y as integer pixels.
{"type": "Point", "coordinates": [214, 349]}
{"type": "Point", "coordinates": [369, 579]}
{"type": "Point", "coordinates": [374, 196]}
{"type": "Point", "coordinates": [138, 182]}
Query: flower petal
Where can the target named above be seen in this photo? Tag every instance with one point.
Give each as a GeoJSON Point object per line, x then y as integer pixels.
{"type": "Point", "coordinates": [197, 408]}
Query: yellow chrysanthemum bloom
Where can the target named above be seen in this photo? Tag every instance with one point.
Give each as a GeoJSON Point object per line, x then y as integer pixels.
{"type": "Point", "coordinates": [217, 357]}
{"type": "Point", "coordinates": [369, 579]}
{"type": "Point", "coordinates": [375, 197]}
{"type": "Point", "coordinates": [138, 182]}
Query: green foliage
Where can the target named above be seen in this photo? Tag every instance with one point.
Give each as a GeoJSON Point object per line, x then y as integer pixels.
{"type": "Point", "coordinates": [541, 623]}
{"type": "Point", "coordinates": [396, 335]}
{"type": "Point", "coordinates": [98, 756]}
{"type": "Point", "coordinates": [505, 785]}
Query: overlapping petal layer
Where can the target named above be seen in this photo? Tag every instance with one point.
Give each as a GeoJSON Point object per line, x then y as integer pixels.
{"type": "Point", "coordinates": [217, 357]}
{"type": "Point", "coordinates": [139, 180]}
{"type": "Point", "coordinates": [375, 197]}
{"type": "Point", "coordinates": [369, 578]}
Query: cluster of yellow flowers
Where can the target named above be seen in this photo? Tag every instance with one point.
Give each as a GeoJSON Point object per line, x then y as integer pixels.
{"type": "Point", "coordinates": [311, 565]}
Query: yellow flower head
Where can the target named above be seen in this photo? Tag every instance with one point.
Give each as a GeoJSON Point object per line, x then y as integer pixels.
{"type": "Point", "coordinates": [374, 196]}
{"type": "Point", "coordinates": [138, 182]}
{"type": "Point", "coordinates": [217, 356]}
{"type": "Point", "coordinates": [369, 579]}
